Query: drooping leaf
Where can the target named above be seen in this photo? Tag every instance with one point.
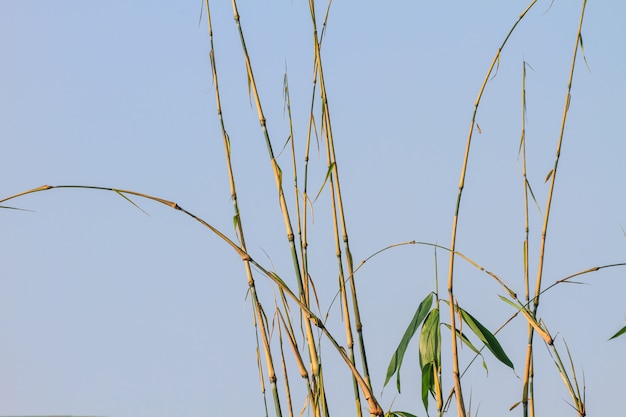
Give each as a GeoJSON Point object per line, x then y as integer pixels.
{"type": "Point", "coordinates": [619, 333]}
{"type": "Point", "coordinates": [582, 49]}
{"type": "Point", "coordinates": [470, 345]}
{"type": "Point", "coordinates": [131, 201]}
{"type": "Point", "coordinates": [430, 339]}
{"type": "Point", "coordinates": [533, 196]}
{"type": "Point", "coordinates": [541, 330]}
{"type": "Point", "coordinates": [398, 355]}
{"type": "Point", "coordinates": [487, 338]}
{"type": "Point", "coordinates": [464, 339]}
{"type": "Point", "coordinates": [428, 383]}
{"type": "Point", "coordinates": [430, 354]}
{"type": "Point", "coordinates": [328, 173]}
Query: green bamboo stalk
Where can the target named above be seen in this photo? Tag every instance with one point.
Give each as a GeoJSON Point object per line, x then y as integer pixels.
{"type": "Point", "coordinates": [527, 393]}
{"type": "Point", "coordinates": [452, 300]}
{"type": "Point", "coordinates": [301, 219]}
{"type": "Point", "coordinates": [256, 305]}
{"type": "Point", "coordinates": [339, 215]}
{"type": "Point", "coordinates": [283, 362]}
{"type": "Point", "coordinates": [553, 172]}
{"type": "Point", "coordinates": [313, 355]}
{"type": "Point", "coordinates": [552, 176]}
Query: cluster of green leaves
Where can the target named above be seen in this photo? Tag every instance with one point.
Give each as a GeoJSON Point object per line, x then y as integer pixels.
{"type": "Point", "coordinates": [427, 317]}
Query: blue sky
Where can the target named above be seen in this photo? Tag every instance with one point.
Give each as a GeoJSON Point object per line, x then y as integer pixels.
{"type": "Point", "coordinates": [107, 311]}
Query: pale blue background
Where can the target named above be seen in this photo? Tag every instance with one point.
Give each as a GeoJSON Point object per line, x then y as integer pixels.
{"type": "Point", "coordinates": [107, 311]}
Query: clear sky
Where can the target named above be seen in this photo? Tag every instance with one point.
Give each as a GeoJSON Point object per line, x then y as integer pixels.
{"type": "Point", "coordinates": [107, 311]}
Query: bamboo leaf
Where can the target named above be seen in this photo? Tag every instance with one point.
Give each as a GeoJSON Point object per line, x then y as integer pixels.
{"type": "Point", "coordinates": [509, 302]}
{"type": "Point", "coordinates": [487, 338]}
{"type": "Point", "coordinates": [236, 221]}
{"type": "Point", "coordinates": [465, 340]}
{"type": "Point", "coordinates": [533, 195]}
{"type": "Point", "coordinates": [428, 383]}
{"type": "Point", "coordinates": [398, 355]}
{"type": "Point", "coordinates": [399, 414]}
{"type": "Point", "coordinates": [619, 333]}
{"type": "Point", "coordinates": [545, 335]}
{"type": "Point", "coordinates": [582, 49]}
{"type": "Point", "coordinates": [328, 173]}
{"type": "Point", "coordinates": [430, 339]}
{"type": "Point", "coordinates": [15, 208]}
{"type": "Point", "coordinates": [131, 202]}
{"type": "Point", "coordinates": [430, 354]}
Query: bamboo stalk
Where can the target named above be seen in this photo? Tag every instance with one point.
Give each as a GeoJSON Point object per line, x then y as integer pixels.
{"type": "Point", "coordinates": [256, 305]}
{"type": "Point", "coordinates": [452, 301]}
{"type": "Point", "coordinates": [339, 221]}
{"type": "Point", "coordinates": [542, 248]}
{"type": "Point", "coordinates": [553, 172]}
{"type": "Point", "coordinates": [313, 355]}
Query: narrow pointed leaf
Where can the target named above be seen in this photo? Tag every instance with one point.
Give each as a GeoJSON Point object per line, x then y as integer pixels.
{"type": "Point", "coordinates": [15, 208]}
{"type": "Point", "coordinates": [509, 302]}
{"type": "Point", "coordinates": [430, 339]}
{"type": "Point", "coordinates": [131, 202]}
{"type": "Point", "coordinates": [533, 196]}
{"type": "Point", "coordinates": [428, 383]}
{"type": "Point", "coordinates": [619, 333]}
{"type": "Point", "coordinates": [398, 355]}
{"type": "Point", "coordinates": [330, 170]}
{"type": "Point", "coordinates": [465, 340]}
{"type": "Point", "coordinates": [430, 353]}
{"type": "Point", "coordinates": [487, 338]}
{"type": "Point", "coordinates": [399, 414]}
{"type": "Point", "coordinates": [582, 49]}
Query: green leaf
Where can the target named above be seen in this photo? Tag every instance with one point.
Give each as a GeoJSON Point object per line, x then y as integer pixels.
{"type": "Point", "coordinates": [469, 344]}
{"type": "Point", "coordinates": [398, 355]}
{"type": "Point", "coordinates": [509, 302]}
{"type": "Point", "coordinates": [399, 414]}
{"type": "Point", "coordinates": [464, 339]}
{"type": "Point", "coordinates": [619, 333]}
{"type": "Point", "coordinates": [430, 339]}
{"type": "Point", "coordinates": [131, 202]}
{"type": "Point", "coordinates": [487, 338]}
{"type": "Point", "coordinates": [428, 383]}
{"type": "Point", "coordinates": [330, 171]}
{"type": "Point", "coordinates": [533, 196]}
{"type": "Point", "coordinates": [15, 208]}
{"type": "Point", "coordinates": [430, 353]}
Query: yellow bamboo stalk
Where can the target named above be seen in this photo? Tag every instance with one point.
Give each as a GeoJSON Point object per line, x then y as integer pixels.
{"type": "Point", "coordinates": [455, 360]}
